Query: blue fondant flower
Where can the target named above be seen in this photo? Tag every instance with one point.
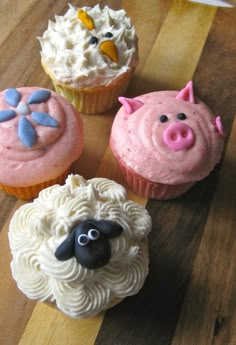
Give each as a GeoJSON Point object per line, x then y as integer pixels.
{"type": "Point", "coordinates": [26, 131]}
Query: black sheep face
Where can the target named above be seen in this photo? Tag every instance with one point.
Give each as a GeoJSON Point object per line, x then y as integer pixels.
{"type": "Point", "coordinates": [89, 243]}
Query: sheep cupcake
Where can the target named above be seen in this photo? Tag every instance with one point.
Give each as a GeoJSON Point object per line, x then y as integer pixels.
{"type": "Point", "coordinates": [81, 247]}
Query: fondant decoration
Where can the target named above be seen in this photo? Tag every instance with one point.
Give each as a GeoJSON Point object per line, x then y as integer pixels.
{"type": "Point", "coordinates": [44, 119]}
{"type": "Point", "coordinates": [85, 19]}
{"type": "Point", "coordinates": [109, 49]}
{"type": "Point", "coordinates": [187, 94]}
{"type": "Point", "coordinates": [93, 40]}
{"type": "Point", "coordinates": [163, 118]}
{"type": "Point", "coordinates": [12, 97]}
{"type": "Point", "coordinates": [6, 115]}
{"type": "Point", "coordinates": [89, 243]}
{"type": "Point", "coordinates": [23, 108]}
{"type": "Point", "coordinates": [218, 126]}
{"type": "Point", "coordinates": [39, 96]}
{"type": "Point", "coordinates": [178, 136]}
{"type": "Point", "coordinates": [181, 116]}
{"type": "Point", "coordinates": [108, 35]}
{"type": "Point", "coordinates": [26, 131]}
{"type": "Point", "coordinates": [130, 104]}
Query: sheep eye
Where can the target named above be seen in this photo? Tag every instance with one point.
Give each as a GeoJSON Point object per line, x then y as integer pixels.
{"type": "Point", "coordinates": [108, 34]}
{"type": "Point", "coordinates": [181, 116]}
{"type": "Point", "coordinates": [93, 40]}
{"type": "Point", "coordinates": [83, 240]}
{"type": "Point", "coordinates": [93, 234]}
{"type": "Point", "coordinates": [163, 118]}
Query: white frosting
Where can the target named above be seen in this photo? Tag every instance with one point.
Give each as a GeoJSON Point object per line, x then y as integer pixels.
{"type": "Point", "coordinates": [70, 57]}
{"type": "Point", "coordinates": [38, 228]}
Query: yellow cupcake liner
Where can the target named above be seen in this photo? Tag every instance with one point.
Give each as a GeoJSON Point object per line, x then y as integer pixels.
{"type": "Point", "coordinates": [93, 100]}
{"type": "Point", "coordinates": [31, 192]}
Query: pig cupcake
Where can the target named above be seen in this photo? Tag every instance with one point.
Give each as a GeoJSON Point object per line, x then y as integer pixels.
{"type": "Point", "coordinates": [165, 142]}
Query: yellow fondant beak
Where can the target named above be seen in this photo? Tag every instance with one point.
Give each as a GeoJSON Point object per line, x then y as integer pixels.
{"type": "Point", "coordinates": [109, 49]}
{"type": "Point", "coordinates": [85, 19]}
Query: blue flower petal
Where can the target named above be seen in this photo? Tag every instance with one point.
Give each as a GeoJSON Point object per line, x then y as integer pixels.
{"type": "Point", "coordinates": [6, 115]}
{"type": "Point", "coordinates": [12, 97]}
{"type": "Point", "coordinates": [39, 96]}
{"type": "Point", "coordinates": [26, 132]}
{"type": "Point", "coordinates": [44, 119]}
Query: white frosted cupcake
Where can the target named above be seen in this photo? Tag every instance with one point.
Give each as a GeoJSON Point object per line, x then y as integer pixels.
{"type": "Point", "coordinates": [81, 247]}
{"type": "Point", "coordinates": [90, 55]}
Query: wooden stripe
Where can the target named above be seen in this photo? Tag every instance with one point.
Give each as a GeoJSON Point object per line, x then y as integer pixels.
{"type": "Point", "coordinates": [211, 292]}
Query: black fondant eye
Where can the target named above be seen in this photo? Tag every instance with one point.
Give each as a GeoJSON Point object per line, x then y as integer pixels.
{"type": "Point", "coordinates": [93, 40]}
{"type": "Point", "coordinates": [93, 234]}
{"type": "Point", "coordinates": [181, 116]}
{"type": "Point", "coordinates": [83, 240]}
{"type": "Point", "coordinates": [108, 34]}
{"type": "Point", "coordinates": [163, 118]}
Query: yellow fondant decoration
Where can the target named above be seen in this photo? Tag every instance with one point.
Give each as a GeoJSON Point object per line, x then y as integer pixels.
{"type": "Point", "coordinates": [86, 19]}
{"type": "Point", "coordinates": [109, 49]}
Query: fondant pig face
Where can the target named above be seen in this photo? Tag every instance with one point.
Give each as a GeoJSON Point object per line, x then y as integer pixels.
{"type": "Point", "coordinates": [173, 128]}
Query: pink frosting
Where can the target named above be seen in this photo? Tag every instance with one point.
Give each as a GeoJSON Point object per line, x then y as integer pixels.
{"type": "Point", "coordinates": [55, 149]}
{"type": "Point", "coordinates": [172, 151]}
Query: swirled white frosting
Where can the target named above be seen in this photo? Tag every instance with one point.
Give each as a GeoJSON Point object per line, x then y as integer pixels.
{"type": "Point", "coordinates": [38, 228]}
{"type": "Point", "coordinates": [71, 59]}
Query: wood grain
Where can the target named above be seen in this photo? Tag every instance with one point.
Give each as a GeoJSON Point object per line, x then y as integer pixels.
{"type": "Point", "coordinates": [189, 296]}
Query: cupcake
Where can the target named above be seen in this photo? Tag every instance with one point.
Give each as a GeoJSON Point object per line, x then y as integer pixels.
{"type": "Point", "coordinates": [165, 142]}
{"type": "Point", "coordinates": [80, 247]}
{"type": "Point", "coordinates": [41, 135]}
{"type": "Point", "coordinates": [90, 55]}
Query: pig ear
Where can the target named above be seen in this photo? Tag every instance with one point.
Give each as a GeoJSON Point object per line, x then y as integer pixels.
{"type": "Point", "coordinates": [130, 104]}
{"type": "Point", "coordinates": [218, 126]}
{"type": "Point", "coordinates": [187, 94]}
{"type": "Point", "coordinates": [66, 249]}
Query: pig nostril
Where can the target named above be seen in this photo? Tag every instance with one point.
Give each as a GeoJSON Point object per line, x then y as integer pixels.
{"type": "Point", "coordinates": [184, 134]}
{"type": "Point", "coordinates": [173, 136]}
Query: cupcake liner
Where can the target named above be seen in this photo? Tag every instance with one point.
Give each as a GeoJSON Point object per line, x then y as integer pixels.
{"type": "Point", "coordinates": [149, 189]}
{"type": "Point", "coordinates": [31, 192]}
{"type": "Point", "coordinates": [93, 100]}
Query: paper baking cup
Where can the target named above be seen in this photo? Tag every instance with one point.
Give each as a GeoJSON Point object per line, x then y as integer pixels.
{"type": "Point", "coordinates": [92, 100]}
{"type": "Point", "coordinates": [31, 192]}
{"type": "Point", "coordinates": [149, 189]}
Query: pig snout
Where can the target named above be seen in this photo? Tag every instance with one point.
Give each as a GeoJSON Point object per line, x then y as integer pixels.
{"type": "Point", "coordinates": [178, 136]}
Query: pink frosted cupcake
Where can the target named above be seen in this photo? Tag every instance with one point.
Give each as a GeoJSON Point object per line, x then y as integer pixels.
{"type": "Point", "coordinates": [41, 135]}
{"type": "Point", "coordinates": [165, 142]}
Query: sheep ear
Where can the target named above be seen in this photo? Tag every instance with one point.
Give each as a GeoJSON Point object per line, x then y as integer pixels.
{"type": "Point", "coordinates": [187, 94]}
{"type": "Point", "coordinates": [130, 104]}
{"type": "Point", "coordinates": [66, 249]}
{"type": "Point", "coordinates": [108, 228]}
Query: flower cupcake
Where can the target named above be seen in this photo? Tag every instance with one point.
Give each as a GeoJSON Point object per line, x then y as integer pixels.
{"type": "Point", "coordinates": [90, 54]}
{"type": "Point", "coordinates": [41, 135]}
{"type": "Point", "coordinates": [80, 247]}
{"type": "Point", "coordinates": [165, 142]}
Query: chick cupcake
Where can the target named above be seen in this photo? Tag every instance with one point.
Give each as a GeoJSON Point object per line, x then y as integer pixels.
{"type": "Point", "coordinates": [90, 54]}
{"type": "Point", "coordinates": [165, 142]}
{"type": "Point", "coordinates": [41, 135]}
{"type": "Point", "coordinates": [81, 247]}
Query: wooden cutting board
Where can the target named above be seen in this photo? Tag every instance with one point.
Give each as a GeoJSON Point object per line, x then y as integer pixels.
{"type": "Point", "coordinates": [189, 297]}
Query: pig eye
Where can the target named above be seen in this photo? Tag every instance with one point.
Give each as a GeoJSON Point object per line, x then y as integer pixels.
{"type": "Point", "coordinates": [181, 116]}
{"type": "Point", "coordinates": [83, 240]}
{"type": "Point", "coordinates": [93, 234]}
{"type": "Point", "coordinates": [163, 118]}
{"type": "Point", "coordinates": [93, 40]}
{"type": "Point", "coordinates": [108, 35]}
